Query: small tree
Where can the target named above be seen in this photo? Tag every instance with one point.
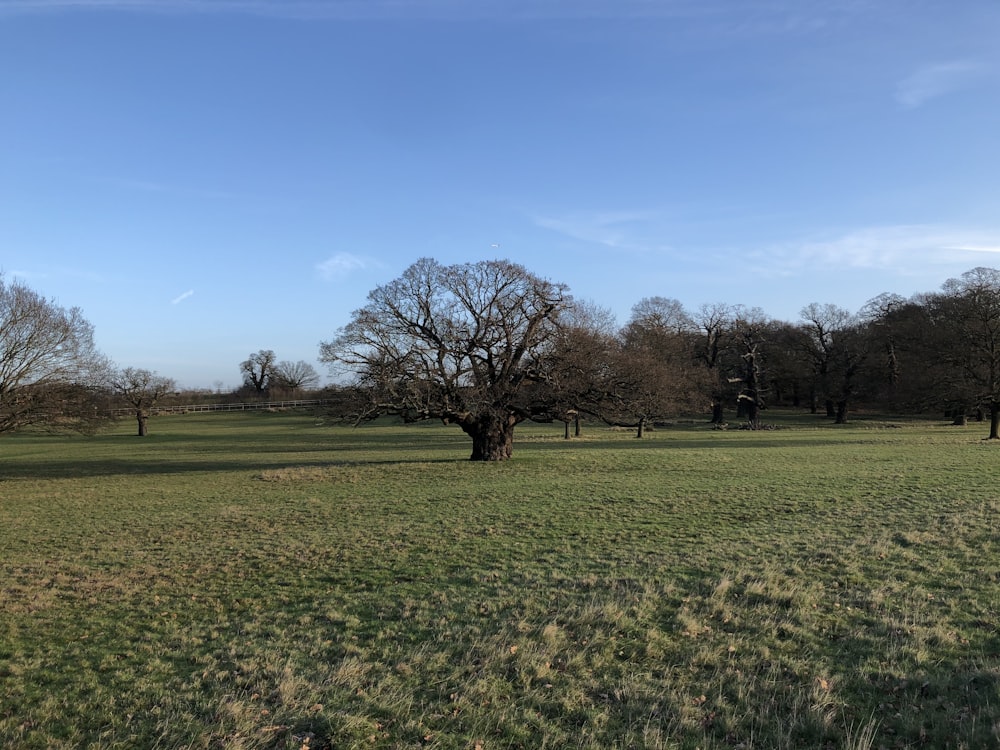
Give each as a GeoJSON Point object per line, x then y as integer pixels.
{"type": "Point", "coordinates": [50, 370]}
{"type": "Point", "coordinates": [457, 343]}
{"type": "Point", "coordinates": [142, 389]}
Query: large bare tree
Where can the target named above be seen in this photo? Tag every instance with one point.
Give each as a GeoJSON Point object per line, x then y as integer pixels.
{"type": "Point", "coordinates": [459, 343]}
{"type": "Point", "coordinates": [51, 373]}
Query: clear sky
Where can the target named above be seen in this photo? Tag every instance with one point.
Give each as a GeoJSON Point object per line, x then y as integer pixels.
{"type": "Point", "coordinates": [207, 178]}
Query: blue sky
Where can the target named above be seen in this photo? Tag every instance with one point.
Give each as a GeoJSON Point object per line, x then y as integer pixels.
{"type": "Point", "coordinates": [206, 178]}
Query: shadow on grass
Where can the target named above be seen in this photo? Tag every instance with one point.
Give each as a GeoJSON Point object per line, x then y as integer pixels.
{"type": "Point", "coordinates": [105, 468]}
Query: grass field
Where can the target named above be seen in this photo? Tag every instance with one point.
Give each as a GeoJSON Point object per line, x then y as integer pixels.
{"type": "Point", "coordinates": [267, 581]}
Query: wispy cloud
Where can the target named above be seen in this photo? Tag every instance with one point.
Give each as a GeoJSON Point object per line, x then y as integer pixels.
{"type": "Point", "coordinates": [621, 230]}
{"type": "Point", "coordinates": [341, 265]}
{"type": "Point", "coordinates": [181, 297]}
{"type": "Point", "coordinates": [932, 81]}
{"type": "Point", "coordinates": [149, 186]}
{"type": "Point", "coordinates": [903, 249]}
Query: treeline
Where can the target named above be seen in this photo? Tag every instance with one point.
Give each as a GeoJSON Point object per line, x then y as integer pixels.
{"type": "Point", "coordinates": [934, 352]}
{"type": "Point", "coordinates": [488, 345]}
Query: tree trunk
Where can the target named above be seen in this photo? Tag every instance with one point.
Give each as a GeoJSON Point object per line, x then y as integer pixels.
{"type": "Point", "coordinates": [566, 435]}
{"type": "Point", "coordinates": [841, 412]}
{"type": "Point", "coordinates": [141, 417]}
{"type": "Point", "coordinates": [718, 415]}
{"type": "Point", "coordinates": [830, 410]}
{"type": "Point", "coordinates": [642, 428]}
{"type": "Point", "coordinates": [994, 420]}
{"type": "Point", "coordinates": [961, 417]}
{"type": "Point", "coordinates": [492, 437]}
{"type": "Point", "coordinates": [576, 426]}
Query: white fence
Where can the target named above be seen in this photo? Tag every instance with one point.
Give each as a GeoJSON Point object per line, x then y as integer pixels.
{"type": "Point", "coordinates": [238, 406]}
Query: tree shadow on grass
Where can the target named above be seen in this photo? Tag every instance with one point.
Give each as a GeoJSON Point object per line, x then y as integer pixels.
{"type": "Point", "coordinates": [81, 468]}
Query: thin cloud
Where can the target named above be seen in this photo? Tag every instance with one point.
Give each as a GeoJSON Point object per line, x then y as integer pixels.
{"type": "Point", "coordinates": [341, 265]}
{"type": "Point", "coordinates": [902, 249]}
{"type": "Point", "coordinates": [619, 230]}
{"type": "Point", "coordinates": [978, 248]}
{"type": "Point", "coordinates": [180, 298]}
{"type": "Point", "coordinates": [932, 81]}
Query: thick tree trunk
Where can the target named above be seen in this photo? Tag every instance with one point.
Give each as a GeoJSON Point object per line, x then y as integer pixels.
{"type": "Point", "coordinates": [641, 431]}
{"type": "Point", "coordinates": [576, 426]}
{"type": "Point", "coordinates": [994, 420]}
{"type": "Point", "coordinates": [830, 410]}
{"type": "Point", "coordinates": [141, 418]}
{"type": "Point", "coordinates": [492, 437]}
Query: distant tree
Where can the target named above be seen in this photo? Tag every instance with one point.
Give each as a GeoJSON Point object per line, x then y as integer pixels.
{"type": "Point", "coordinates": [51, 373]}
{"type": "Point", "coordinates": [577, 365]}
{"type": "Point", "coordinates": [660, 316]}
{"type": "Point", "coordinates": [790, 365]}
{"type": "Point", "coordinates": [839, 346]}
{"type": "Point", "coordinates": [653, 372]}
{"type": "Point", "coordinates": [457, 343]}
{"type": "Point", "coordinates": [292, 377]}
{"type": "Point", "coordinates": [749, 333]}
{"type": "Point", "coordinates": [257, 370]}
{"type": "Point", "coordinates": [967, 312]}
{"type": "Point", "coordinates": [906, 371]}
{"type": "Point", "coordinates": [141, 390]}
{"type": "Point", "coordinates": [714, 337]}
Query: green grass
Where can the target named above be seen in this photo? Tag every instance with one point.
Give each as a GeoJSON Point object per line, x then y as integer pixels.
{"type": "Point", "coordinates": [267, 581]}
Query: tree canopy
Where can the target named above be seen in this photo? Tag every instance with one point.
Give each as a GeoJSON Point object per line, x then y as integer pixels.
{"type": "Point", "coordinates": [51, 372]}
{"type": "Point", "coordinates": [459, 343]}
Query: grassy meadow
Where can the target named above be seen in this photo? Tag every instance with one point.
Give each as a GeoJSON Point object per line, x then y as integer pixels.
{"type": "Point", "coordinates": [264, 580]}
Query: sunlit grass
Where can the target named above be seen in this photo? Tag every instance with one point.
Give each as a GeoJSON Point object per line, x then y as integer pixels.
{"type": "Point", "coordinates": [268, 581]}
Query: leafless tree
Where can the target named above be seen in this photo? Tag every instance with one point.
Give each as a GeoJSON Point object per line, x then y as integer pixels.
{"type": "Point", "coordinates": [141, 390]}
{"type": "Point", "coordinates": [257, 370]}
{"type": "Point", "coordinates": [577, 365]}
{"type": "Point", "coordinates": [50, 370]}
{"type": "Point", "coordinates": [750, 327]}
{"type": "Point", "coordinates": [715, 330]}
{"type": "Point", "coordinates": [459, 343]}
{"type": "Point", "coordinates": [967, 314]}
{"type": "Point", "coordinates": [293, 377]}
{"type": "Point", "coordinates": [654, 373]}
{"type": "Point", "coordinates": [839, 347]}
